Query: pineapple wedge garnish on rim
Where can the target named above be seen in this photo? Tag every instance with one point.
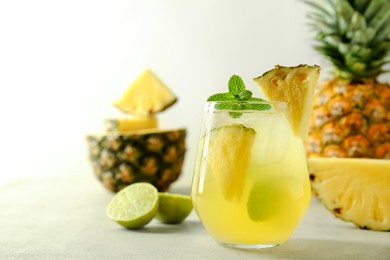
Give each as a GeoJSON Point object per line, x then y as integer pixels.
{"type": "Point", "coordinates": [294, 85]}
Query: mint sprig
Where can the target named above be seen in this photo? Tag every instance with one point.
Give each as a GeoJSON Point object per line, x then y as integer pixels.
{"type": "Point", "coordinates": [238, 98]}
{"type": "Point", "coordinates": [236, 85]}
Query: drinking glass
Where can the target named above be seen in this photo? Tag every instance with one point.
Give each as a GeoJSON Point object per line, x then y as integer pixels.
{"type": "Point", "coordinates": [251, 185]}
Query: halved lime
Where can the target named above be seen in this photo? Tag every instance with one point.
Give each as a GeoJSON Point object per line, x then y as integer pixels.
{"type": "Point", "coordinates": [134, 206]}
{"type": "Point", "coordinates": [173, 208]}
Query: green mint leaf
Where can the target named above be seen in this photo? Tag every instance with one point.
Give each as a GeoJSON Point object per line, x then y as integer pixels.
{"type": "Point", "coordinates": [235, 114]}
{"type": "Point", "coordinates": [245, 95]}
{"type": "Point", "coordinates": [256, 99]}
{"type": "Point", "coordinates": [231, 105]}
{"type": "Point", "coordinates": [227, 106]}
{"type": "Point", "coordinates": [221, 97]}
{"type": "Point", "coordinates": [242, 106]}
{"type": "Point", "coordinates": [236, 85]}
{"type": "Point", "coordinates": [238, 98]}
{"type": "Point", "coordinates": [251, 106]}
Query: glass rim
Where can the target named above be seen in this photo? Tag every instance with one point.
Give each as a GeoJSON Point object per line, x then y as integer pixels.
{"type": "Point", "coordinates": [274, 106]}
{"type": "Point", "coordinates": [249, 102]}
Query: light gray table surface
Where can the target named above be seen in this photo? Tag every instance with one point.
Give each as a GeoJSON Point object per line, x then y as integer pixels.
{"type": "Point", "coordinates": [52, 218]}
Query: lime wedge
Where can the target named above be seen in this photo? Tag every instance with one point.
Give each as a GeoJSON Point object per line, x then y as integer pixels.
{"type": "Point", "coordinates": [173, 208]}
{"type": "Point", "coordinates": [134, 206]}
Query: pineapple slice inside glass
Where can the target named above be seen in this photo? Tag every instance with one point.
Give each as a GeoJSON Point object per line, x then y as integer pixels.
{"type": "Point", "coordinates": [355, 190]}
{"type": "Point", "coordinates": [147, 95]}
{"type": "Point", "coordinates": [294, 85]}
{"type": "Point", "coordinates": [228, 157]}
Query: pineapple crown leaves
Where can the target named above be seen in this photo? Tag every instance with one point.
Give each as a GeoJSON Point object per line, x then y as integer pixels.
{"type": "Point", "coordinates": [353, 34]}
{"type": "Point", "coordinates": [238, 98]}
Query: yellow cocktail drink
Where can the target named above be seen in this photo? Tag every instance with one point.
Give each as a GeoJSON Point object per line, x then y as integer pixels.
{"type": "Point", "coordinates": [251, 185]}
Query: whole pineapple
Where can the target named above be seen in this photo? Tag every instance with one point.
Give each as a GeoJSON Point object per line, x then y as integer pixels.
{"type": "Point", "coordinates": [351, 116]}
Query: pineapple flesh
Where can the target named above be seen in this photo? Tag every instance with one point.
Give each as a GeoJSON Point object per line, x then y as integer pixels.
{"type": "Point", "coordinates": [355, 190]}
{"type": "Point", "coordinates": [147, 95]}
{"type": "Point", "coordinates": [120, 125]}
{"type": "Point", "coordinates": [229, 153]}
{"type": "Point", "coordinates": [351, 116]}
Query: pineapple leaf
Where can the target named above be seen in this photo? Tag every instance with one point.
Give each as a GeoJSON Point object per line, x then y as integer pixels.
{"type": "Point", "coordinates": [353, 34]}
{"type": "Point", "coordinates": [344, 74]}
{"type": "Point", "coordinates": [357, 22]}
{"type": "Point", "coordinates": [359, 37]}
{"type": "Point", "coordinates": [381, 17]}
{"type": "Point", "coordinates": [360, 51]}
{"type": "Point", "coordinates": [354, 64]}
{"type": "Point", "coordinates": [344, 13]}
{"type": "Point", "coordinates": [380, 51]}
{"type": "Point", "coordinates": [318, 7]}
{"type": "Point", "coordinates": [320, 20]}
{"type": "Point", "coordinates": [369, 34]}
{"type": "Point", "coordinates": [343, 48]}
{"type": "Point", "coordinates": [372, 8]}
{"type": "Point", "coordinates": [332, 40]}
{"type": "Point", "coordinates": [378, 63]}
{"type": "Point", "coordinates": [332, 53]}
{"type": "Point", "coordinates": [383, 33]}
{"type": "Point", "coordinates": [361, 5]}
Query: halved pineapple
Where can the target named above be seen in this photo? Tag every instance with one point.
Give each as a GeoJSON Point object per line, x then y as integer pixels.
{"type": "Point", "coordinates": [133, 149]}
{"type": "Point", "coordinates": [355, 190]}
{"type": "Point", "coordinates": [147, 95]}
{"type": "Point", "coordinates": [228, 157]}
{"type": "Point", "coordinates": [294, 85]}
{"type": "Point", "coordinates": [151, 155]}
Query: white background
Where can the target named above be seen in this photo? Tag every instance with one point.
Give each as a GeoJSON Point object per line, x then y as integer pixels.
{"type": "Point", "coordinates": [62, 63]}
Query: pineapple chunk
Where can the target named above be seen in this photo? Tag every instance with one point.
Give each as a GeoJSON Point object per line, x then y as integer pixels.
{"type": "Point", "coordinates": [121, 125]}
{"type": "Point", "coordinates": [294, 85]}
{"type": "Point", "coordinates": [355, 190]}
{"type": "Point", "coordinates": [147, 95]}
{"type": "Point", "coordinates": [229, 152]}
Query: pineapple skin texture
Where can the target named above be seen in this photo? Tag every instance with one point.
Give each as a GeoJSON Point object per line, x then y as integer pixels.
{"type": "Point", "coordinates": [119, 160]}
{"type": "Point", "coordinates": [350, 120]}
